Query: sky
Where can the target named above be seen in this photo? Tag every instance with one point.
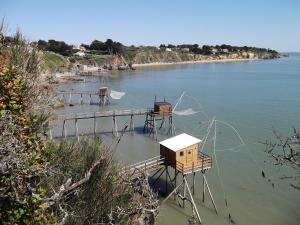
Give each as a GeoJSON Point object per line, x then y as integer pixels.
{"type": "Point", "coordinates": [271, 24]}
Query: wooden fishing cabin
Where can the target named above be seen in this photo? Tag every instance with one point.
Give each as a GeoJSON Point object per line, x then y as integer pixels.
{"type": "Point", "coordinates": [182, 152]}
{"type": "Point", "coordinates": [163, 108]}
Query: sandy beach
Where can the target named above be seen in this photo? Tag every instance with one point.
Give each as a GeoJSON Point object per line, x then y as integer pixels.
{"type": "Point", "coordinates": [191, 62]}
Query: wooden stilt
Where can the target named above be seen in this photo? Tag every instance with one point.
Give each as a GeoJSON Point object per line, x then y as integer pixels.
{"type": "Point", "coordinates": [64, 132]}
{"type": "Point", "coordinates": [184, 191]}
{"type": "Point", "coordinates": [131, 126]}
{"type": "Point", "coordinates": [192, 199]}
{"type": "Point", "coordinates": [90, 99]}
{"type": "Point", "coordinates": [65, 100]}
{"type": "Point", "coordinates": [203, 193]}
{"type": "Point", "coordinates": [171, 130]}
{"type": "Point", "coordinates": [81, 99]}
{"type": "Point", "coordinates": [154, 127]}
{"type": "Point", "coordinates": [94, 124]}
{"type": "Point", "coordinates": [115, 127]}
{"type": "Point", "coordinates": [194, 183]}
{"type": "Point", "coordinates": [211, 197]}
{"type": "Point", "coordinates": [70, 98]}
{"type": "Point", "coordinates": [76, 129]}
{"type": "Point", "coordinates": [166, 179]}
{"type": "Point", "coordinates": [162, 122]}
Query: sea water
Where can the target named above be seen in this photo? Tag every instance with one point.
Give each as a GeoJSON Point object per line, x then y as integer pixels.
{"type": "Point", "coordinates": [252, 96]}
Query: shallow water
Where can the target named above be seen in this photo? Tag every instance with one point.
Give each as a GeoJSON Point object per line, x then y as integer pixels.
{"type": "Point", "coordinates": [253, 96]}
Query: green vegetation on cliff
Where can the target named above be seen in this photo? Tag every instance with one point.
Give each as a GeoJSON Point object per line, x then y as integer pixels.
{"type": "Point", "coordinates": [54, 61]}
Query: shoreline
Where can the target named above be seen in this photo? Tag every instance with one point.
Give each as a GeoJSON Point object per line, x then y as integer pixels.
{"type": "Point", "coordinates": [191, 62]}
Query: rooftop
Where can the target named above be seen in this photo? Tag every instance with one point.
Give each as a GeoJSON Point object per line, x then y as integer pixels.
{"type": "Point", "coordinates": [180, 141]}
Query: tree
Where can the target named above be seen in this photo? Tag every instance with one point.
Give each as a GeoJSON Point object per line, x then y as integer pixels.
{"type": "Point", "coordinates": [285, 151]}
{"type": "Point", "coordinates": [171, 46]}
{"type": "Point", "coordinates": [97, 45]}
{"type": "Point", "coordinates": [206, 50]}
{"type": "Point", "coordinates": [42, 45]}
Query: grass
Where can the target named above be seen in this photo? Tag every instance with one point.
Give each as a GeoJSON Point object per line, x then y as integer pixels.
{"type": "Point", "coordinates": [54, 61]}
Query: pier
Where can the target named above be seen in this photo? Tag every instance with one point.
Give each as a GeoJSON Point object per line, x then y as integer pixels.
{"type": "Point", "coordinates": [150, 126]}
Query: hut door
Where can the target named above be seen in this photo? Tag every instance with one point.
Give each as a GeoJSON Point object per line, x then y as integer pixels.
{"type": "Point", "coordinates": [189, 156]}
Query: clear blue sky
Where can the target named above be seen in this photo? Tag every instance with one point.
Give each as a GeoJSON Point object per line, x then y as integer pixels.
{"type": "Point", "coordinates": [263, 23]}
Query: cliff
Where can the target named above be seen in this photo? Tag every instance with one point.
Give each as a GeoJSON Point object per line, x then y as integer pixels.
{"type": "Point", "coordinates": [145, 55]}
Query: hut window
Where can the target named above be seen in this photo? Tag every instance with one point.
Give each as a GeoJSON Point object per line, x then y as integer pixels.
{"type": "Point", "coordinates": [181, 153]}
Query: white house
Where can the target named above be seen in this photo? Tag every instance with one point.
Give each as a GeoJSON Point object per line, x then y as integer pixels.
{"type": "Point", "coordinates": [80, 53]}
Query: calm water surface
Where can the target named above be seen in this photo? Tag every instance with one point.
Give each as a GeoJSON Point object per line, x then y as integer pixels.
{"type": "Point", "coordinates": [252, 96]}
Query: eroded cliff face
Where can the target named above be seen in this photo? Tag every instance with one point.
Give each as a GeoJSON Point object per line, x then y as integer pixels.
{"type": "Point", "coordinates": [167, 57]}
{"type": "Point", "coordinates": [144, 56]}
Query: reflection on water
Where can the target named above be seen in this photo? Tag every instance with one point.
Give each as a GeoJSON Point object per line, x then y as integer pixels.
{"type": "Point", "coordinates": [252, 96]}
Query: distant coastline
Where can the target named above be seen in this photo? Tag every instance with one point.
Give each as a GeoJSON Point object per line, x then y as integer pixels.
{"type": "Point", "coordinates": [139, 65]}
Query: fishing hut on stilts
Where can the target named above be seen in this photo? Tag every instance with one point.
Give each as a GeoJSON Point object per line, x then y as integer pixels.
{"type": "Point", "coordinates": [162, 112]}
{"type": "Point", "coordinates": [183, 154]}
{"type": "Point", "coordinates": [103, 95]}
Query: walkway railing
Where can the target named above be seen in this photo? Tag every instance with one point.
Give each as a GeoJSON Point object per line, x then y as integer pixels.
{"type": "Point", "coordinates": [204, 162]}
{"type": "Point", "coordinates": [110, 113]}
{"type": "Point", "coordinates": [145, 166]}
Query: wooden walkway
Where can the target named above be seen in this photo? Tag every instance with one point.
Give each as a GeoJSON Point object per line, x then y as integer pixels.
{"type": "Point", "coordinates": [144, 167]}
{"type": "Point", "coordinates": [110, 113]}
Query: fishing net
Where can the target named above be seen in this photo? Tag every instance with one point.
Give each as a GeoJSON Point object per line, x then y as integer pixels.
{"type": "Point", "coordinates": [185, 112]}
{"type": "Point", "coordinates": [116, 94]}
{"type": "Point", "coordinates": [186, 105]}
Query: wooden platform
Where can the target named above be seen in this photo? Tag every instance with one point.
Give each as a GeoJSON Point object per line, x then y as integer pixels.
{"type": "Point", "coordinates": [153, 164]}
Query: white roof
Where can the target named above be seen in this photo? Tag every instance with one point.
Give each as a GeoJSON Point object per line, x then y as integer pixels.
{"type": "Point", "coordinates": [180, 141]}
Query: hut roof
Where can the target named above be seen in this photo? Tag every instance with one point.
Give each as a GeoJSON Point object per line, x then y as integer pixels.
{"type": "Point", "coordinates": [180, 141]}
{"type": "Point", "coordinates": [162, 103]}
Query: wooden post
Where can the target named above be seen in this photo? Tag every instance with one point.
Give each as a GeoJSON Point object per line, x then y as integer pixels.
{"type": "Point", "coordinates": [154, 127]}
{"type": "Point", "coordinates": [166, 180]}
{"type": "Point", "coordinates": [193, 182]}
{"type": "Point", "coordinates": [184, 191]}
{"type": "Point", "coordinates": [64, 97]}
{"type": "Point", "coordinates": [176, 173]}
{"type": "Point", "coordinates": [171, 126]}
{"type": "Point", "coordinates": [203, 193]}
{"type": "Point", "coordinates": [76, 129]}
{"type": "Point", "coordinates": [64, 131]}
{"type": "Point", "coordinates": [90, 100]}
{"type": "Point", "coordinates": [163, 124]}
{"type": "Point", "coordinates": [70, 98]}
{"type": "Point", "coordinates": [81, 99]}
{"type": "Point", "coordinates": [94, 124]}
{"type": "Point", "coordinates": [131, 126]}
{"type": "Point", "coordinates": [146, 124]}
{"type": "Point", "coordinates": [115, 127]}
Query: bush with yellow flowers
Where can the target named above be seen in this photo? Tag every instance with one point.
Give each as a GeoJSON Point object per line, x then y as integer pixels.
{"type": "Point", "coordinates": [23, 156]}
